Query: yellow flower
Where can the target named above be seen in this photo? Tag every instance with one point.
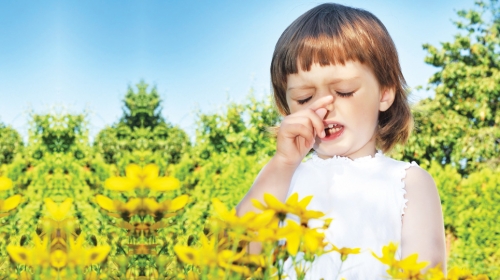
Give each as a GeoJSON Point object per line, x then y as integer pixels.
{"type": "Point", "coordinates": [250, 220]}
{"type": "Point", "coordinates": [92, 275]}
{"type": "Point", "coordinates": [388, 254]}
{"type": "Point", "coordinates": [58, 259]}
{"type": "Point", "coordinates": [24, 276]}
{"type": "Point", "coordinates": [38, 255]}
{"type": "Point", "coordinates": [141, 205]}
{"type": "Point", "coordinates": [125, 209]}
{"type": "Point", "coordinates": [226, 258]}
{"type": "Point", "coordinates": [58, 212]}
{"type": "Point", "coordinates": [408, 268]}
{"type": "Point", "coordinates": [166, 206]}
{"type": "Point", "coordinates": [10, 203]}
{"type": "Point", "coordinates": [189, 276]}
{"type": "Point", "coordinates": [291, 206]}
{"type": "Point", "coordinates": [267, 234]}
{"type": "Point", "coordinates": [78, 256]}
{"type": "Point", "coordinates": [272, 203]}
{"type": "Point", "coordinates": [411, 268]}
{"type": "Point", "coordinates": [300, 208]}
{"type": "Point", "coordinates": [344, 251]}
{"type": "Point", "coordinates": [5, 183]}
{"type": "Point", "coordinates": [313, 240]}
{"type": "Point", "coordinates": [137, 177]}
{"type": "Point", "coordinates": [206, 255]}
{"type": "Point", "coordinates": [20, 255]}
{"type": "Point", "coordinates": [460, 273]}
{"type": "Point", "coordinates": [435, 273]}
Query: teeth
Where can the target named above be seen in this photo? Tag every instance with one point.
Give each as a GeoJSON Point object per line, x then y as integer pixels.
{"type": "Point", "coordinates": [333, 128]}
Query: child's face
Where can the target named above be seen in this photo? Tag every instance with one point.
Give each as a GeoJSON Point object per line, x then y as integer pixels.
{"type": "Point", "coordinates": [354, 110]}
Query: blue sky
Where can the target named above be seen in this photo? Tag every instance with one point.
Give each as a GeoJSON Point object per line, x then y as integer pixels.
{"type": "Point", "coordinates": [83, 55]}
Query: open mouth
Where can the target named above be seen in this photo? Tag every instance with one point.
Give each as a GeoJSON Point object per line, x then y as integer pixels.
{"type": "Point", "coordinates": [333, 128]}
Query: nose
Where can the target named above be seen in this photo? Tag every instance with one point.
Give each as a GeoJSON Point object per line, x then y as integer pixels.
{"type": "Point", "coordinates": [331, 106]}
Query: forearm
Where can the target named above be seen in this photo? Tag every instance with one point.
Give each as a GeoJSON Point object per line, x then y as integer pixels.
{"type": "Point", "coordinates": [274, 178]}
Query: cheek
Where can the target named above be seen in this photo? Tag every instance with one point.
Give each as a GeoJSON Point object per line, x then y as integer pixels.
{"type": "Point", "coordinates": [365, 113]}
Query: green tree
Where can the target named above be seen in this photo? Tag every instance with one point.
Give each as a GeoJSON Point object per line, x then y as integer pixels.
{"type": "Point", "coordinates": [142, 135]}
{"type": "Point", "coordinates": [460, 124]}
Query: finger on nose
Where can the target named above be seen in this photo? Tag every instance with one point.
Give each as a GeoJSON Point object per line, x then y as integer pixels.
{"type": "Point", "coordinates": [321, 112]}
{"type": "Point", "coordinates": [324, 101]}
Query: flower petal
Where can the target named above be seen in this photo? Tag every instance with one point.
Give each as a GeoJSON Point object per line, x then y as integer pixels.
{"type": "Point", "coordinates": [151, 204]}
{"type": "Point", "coordinates": [186, 254]}
{"type": "Point", "coordinates": [262, 219]}
{"type": "Point", "coordinates": [106, 203]}
{"type": "Point", "coordinates": [305, 201]}
{"type": "Point", "coordinates": [58, 259]}
{"type": "Point", "coordinates": [97, 254]}
{"type": "Point", "coordinates": [150, 172]}
{"type": "Point", "coordinates": [163, 184]}
{"type": "Point", "coordinates": [293, 243]}
{"type": "Point", "coordinates": [273, 203]}
{"type": "Point", "coordinates": [179, 202]}
{"type": "Point", "coordinates": [293, 199]}
{"type": "Point", "coordinates": [20, 254]}
{"type": "Point", "coordinates": [5, 183]}
{"type": "Point", "coordinates": [132, 205]}
{"type": "Point", "coordinates": [219, 208]}
{"type": "Point", "coordinates": [134, 172]}
{"type": "Point", "coordinates": [120, 184]}
{"type": "Point", "coordinates": [258, 204]}
{"type": "Point", "coordinates": [11, 203]}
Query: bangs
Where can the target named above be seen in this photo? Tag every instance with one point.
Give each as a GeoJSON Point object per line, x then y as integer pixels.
{"type": "Point", "coordinates": [325, 51]}
{"type": "Point", "coordinates": [332, 37]}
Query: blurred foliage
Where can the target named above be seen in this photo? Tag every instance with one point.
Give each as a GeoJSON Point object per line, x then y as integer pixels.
{"type": "Point", "coordinates": [57, 164]}
{"type": "Point", "coordinates": [142, 136]}
{"type": "Point", "coordinates": [460, 124]}
{"type": "Point", "coordinates": [10, 144]}
{"type": "Point", "coordinates": [470, 209]}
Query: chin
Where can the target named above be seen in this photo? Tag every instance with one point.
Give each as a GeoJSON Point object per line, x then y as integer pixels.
{"type": "Point", "coordinates": [331, 152]}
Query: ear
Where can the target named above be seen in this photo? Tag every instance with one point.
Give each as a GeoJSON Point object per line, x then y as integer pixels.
{"type": "Point", "coordinates": [387, 97]}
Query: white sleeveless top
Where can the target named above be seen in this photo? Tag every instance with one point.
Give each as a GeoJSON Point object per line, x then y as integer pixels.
{"type": "Point", "coordinates": [365, 198]}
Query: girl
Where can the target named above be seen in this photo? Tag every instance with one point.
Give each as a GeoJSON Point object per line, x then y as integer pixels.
{"type": "Point", "coordinates": [337, 80]}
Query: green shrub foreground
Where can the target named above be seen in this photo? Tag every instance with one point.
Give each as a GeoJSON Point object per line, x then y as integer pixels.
{"type": "Point", "coordinates": [56, 185]}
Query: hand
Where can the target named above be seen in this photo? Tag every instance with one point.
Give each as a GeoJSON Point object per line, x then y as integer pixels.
{"type": "Point", "coordinates": [297, 132]}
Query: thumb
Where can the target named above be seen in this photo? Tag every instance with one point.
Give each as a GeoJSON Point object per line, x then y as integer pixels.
{"type": "Point", "coordinates": [321, 112]}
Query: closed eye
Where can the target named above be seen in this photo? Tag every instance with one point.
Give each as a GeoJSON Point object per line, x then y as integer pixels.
{"type": "Point", "coordinates": [345, 94]}
{"type": "Point", "coordinates": [303, 101]}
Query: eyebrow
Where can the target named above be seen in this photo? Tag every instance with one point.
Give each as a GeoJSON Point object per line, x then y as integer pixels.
{"type": "Point", "coordinates": [332, 82]}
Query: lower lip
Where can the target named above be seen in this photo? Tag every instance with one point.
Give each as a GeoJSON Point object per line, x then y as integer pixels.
{"type": "Point", "coordinates": [333, 136]}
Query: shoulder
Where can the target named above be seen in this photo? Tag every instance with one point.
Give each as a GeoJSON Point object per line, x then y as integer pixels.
{"type": "Point", "coordinates": [423, 202]}
{"type": "Point", "coordinates": [419, 182]}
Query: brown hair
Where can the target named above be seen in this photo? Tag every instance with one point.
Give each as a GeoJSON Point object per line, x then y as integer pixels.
{"type": "Point", "coordinates": [331, 34]}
